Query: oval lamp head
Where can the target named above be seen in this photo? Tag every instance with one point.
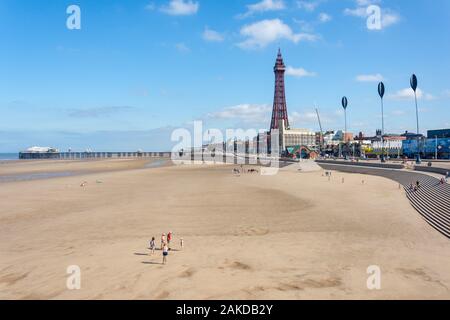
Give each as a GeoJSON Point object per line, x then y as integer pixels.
{"type": "Point", "coordinates": [344, 102]}
{"type": "Point", "coordinates": [413, 82]}
{"type": "Point", "coordinates": [381, 89]}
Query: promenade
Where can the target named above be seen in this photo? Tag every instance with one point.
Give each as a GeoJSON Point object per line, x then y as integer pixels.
{"type": "Point", "coordinates": [431, 200]}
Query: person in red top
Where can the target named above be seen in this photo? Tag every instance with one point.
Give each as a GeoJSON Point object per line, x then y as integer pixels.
{"type": "Point", "coordinates": [169, 238]}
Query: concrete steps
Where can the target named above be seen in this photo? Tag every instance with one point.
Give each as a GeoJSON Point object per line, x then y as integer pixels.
{"type": "Point", "coordinates": [431, 200]}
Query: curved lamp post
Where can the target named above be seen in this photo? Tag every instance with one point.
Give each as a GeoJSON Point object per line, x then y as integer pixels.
{"type": "Point", "coordinates": [413, 82]}
{"type": "Point", "coordinates": [345, 105]}
{"type": "Point", "coordinates": [381, 91]}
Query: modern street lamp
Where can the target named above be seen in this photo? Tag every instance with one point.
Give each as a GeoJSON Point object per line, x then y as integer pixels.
{"type": "Point", "coordinates": [344, 105]}
{"type": "Point", "coordinates": [381, 91]}
{"type": "Point", "coordinates": [413, 82]}
{"type": "Point", "coordinates": [436, 141]}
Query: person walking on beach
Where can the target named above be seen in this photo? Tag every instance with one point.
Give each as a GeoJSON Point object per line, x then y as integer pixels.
{"type": "Point", "coordinates": [152, 245]}
{"type": "Point", "coordinates": [169, 238]}
{"type": "Point", "coordinates": [165, 252]}
{"type": "Point", "coordinates": [163, 240]}
{"type": "Point", "coordinates": [181, 243]}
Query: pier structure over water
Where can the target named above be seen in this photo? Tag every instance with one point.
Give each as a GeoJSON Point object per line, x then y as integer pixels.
{"type": "Point", "coordinates": [91, 155]}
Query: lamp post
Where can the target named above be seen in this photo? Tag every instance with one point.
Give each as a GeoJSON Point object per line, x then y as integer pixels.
{"type": "Point", "coordinates": [381, 91]}
{"type": "Point", "coordinates": [344, 105]}
{"type": "Point", "coordinates": [436, 141]}
{"type": "Point", "coordinates": [413, 82]}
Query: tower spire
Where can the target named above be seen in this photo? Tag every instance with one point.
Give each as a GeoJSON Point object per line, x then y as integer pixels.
{"type": "Point", "coordinates": [279, 111]}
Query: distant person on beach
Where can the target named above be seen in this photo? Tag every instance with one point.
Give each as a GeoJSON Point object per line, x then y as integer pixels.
{"type": "Point", "coordinates": [152, 245]}
{"type": "Point", "coordinates": [169, 238]}
{"type": "Point", "coordinates": [181, 243]}
{"type": "Point", "coordinates": [165, 252]}
{"type": "Point", "coordinates": [163, 240]}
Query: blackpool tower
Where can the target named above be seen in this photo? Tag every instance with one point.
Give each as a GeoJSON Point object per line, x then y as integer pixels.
{"type": "Point", "coordinates": [279, 112]}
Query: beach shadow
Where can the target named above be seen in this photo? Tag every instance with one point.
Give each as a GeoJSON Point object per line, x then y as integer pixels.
{"type": "Point", "coordinates": [140, 254]}
{"type": "Point", "coordinates": [149, 262]}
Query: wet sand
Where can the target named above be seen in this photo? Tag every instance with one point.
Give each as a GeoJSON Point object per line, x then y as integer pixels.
{"type": "Point", "coordinates": [289, 236]}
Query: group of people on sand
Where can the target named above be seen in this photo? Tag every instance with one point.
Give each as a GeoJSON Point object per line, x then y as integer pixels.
{"type": "Point", "coordinates": [241, 169]}
{"type": "Point", "coordinates": [165, 245]}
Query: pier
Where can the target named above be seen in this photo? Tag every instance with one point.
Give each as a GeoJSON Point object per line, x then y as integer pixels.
{"type": "Point", "coordinates": [91, 155]}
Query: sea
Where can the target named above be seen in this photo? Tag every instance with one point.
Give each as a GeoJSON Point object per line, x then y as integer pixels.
{"type": "Point", "coordinates": [9, 156]}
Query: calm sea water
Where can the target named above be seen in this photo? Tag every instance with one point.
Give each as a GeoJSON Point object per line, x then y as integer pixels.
{"type": "Point", "coordinates": [9, 156]}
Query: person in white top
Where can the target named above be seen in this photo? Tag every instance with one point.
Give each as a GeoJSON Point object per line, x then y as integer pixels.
{"type": "Point", "coordinates": [165, 252]}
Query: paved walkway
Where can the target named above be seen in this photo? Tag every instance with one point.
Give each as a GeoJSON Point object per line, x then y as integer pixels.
{"type": "Point", "coordinates": [432, 200]}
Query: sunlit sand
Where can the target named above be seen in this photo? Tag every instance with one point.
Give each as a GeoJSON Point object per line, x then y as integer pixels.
{"type": "Point", "coordinates": [294, 235]}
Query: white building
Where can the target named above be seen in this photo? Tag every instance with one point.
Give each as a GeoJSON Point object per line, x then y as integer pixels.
{"type": "Point", "coordinates": [296, 137]}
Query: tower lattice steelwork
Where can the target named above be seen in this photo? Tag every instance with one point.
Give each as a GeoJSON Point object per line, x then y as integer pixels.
{"type": "Point", "coordinates": [279, 102]}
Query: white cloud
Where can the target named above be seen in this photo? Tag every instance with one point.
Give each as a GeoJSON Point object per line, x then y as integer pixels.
{"type": "Point", "coordinates": [212, 36]}
{"type": "Point", "coordinates": [389, 18]}
{"type": "Point", "coordinates": [150, 7]}
{"type": "Point", "coordinates": [357, 12]}
{"type": "Point", "coordinates": [369, 78]}
{"type": "Point", "coordinates": [263, 6]}
{"type": "Point", "coordinates": [181, 7]}
{"type": "Point", "coordinates": [244, 112]}
{"type": "Point", "coordinates": [308, 5]}
{"type": "Point", "coordinates": [181, 47]}
{"type": "Point", "coordinates": [309, 118]}
{"type": "Point", "coordinates": [366, 3]}
{"type": "Point", "coordinates": [262, 33]}
{"type": "Point", "coordinates": [299, 72]}
{"type": "Point", "coordinates": [305, 118]}
{"type": "Point", "coordinates": [408, 94]}
{"type": "Point", "coordinates": [324, 17]}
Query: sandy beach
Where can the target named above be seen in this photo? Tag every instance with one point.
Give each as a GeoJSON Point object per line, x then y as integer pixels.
{"type": "Point", "coordinates": [294, 235]}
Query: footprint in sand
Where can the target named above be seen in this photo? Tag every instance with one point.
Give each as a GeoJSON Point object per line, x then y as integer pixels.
{"type": "Point", "coordinates": [240, 266]}
{"type": "Point", "coordinates": [251, 231]}
{"type": "Point", "coordinates": [188, 273]}
{"type": "Point", "coordinates": [12, 278]}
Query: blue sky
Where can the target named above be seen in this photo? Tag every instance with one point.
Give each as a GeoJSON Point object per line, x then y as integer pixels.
{"type": "Point", "coordinates": [138, 69]}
